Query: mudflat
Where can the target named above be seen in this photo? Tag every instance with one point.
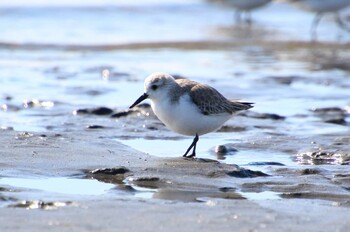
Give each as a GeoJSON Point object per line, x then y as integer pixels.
{"type": "Point", "coordinates": [184, 194]}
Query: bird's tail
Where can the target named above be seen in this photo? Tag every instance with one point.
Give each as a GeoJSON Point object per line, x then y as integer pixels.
{"type": "Point", "coordinates": [238, 106]}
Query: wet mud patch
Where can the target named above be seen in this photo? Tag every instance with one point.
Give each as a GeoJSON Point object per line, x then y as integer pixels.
{"type": "Point", "coordinates": [306, 183]}
{"type": "Point", "coordinates": [7, 200]}
{"type": "Point", "coordinates": [153, 183]}
{"type": "Point", "coordinates": [261, 186]}
{"type": "Point", "coordinates": [227, 128]}
{"type": "Point", "coordinates": [4, 198]}
{"type": "Point", "coordinates": [265, 164]}
{"type": "Point", "coordinates": [342, 180]}
{"type": "Point", "coordinates": [317, 195]}
{"type": "Point", "coordinates": [331, 61]}
{"type": "Point", "coordinates": [110, 171]}
{"type": "Point", "coordinates": [87, 91]}
{"type": "Point", "coordinates": [178, 179]}
{"type": "Point", "coordinates": [283, 80]}
{"type": "Point", "coordinates": [94, 111]}
{"type": "Point", "coordinates": [210, 168]}
{"type": "Point", "coordinates": [125, 182]}
{"type": "Point", "coordinates": [246, 173]}
{"type": "Point", "coordinates": [156, 188]}
{"type": "Point", "coordinates": [121, 114]}
{"type": "Point", "coordinates": [114, 175]}
{"type": "Point", "coordinates": [271, 116]}
{"type": "Point", "coordinates": [334, 115]}
{"type": "Point", "coordinates": [142, 109]}
{"type": "Point", "coordinates": [310, 171]}
{"type": "Point", "coordinates": [94, 127]}
{"type": "Point", "coordinates": [8, 107]}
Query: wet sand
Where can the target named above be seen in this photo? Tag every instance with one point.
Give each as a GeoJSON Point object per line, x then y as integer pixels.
{"type": "Point", "coordinates": [189, 194]}
{"type": "Point", "coordinates": [309, 192]}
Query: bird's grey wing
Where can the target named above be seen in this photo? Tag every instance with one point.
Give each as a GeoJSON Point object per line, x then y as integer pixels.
{"type": "Point", "coordinates": [210, 101]}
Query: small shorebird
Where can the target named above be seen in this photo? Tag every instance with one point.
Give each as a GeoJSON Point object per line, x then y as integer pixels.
{"type": "Point", "coordinates": [321, 7]}
{"type": "Point", "coordinates": [188, 107]}
{"type": "Point", "coordinates": [246, 6]}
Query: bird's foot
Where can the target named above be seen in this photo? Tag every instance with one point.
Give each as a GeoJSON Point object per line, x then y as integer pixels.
{"type": "Point", "coordinates": [189, 156]}
{"type": "Point", "coordinates": [193, 145]}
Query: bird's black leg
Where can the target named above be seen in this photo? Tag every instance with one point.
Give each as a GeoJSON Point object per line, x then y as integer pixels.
{"type": "Point", "coordinates": [238, 16]}
{"type": "Point", "coordinates": [341, 23]}
{"type": "Point", "coordinates": [193, 145]}
{"type": "Point", "coordinates": [314, 25]}
{"type": "Point", "coordinates": [194, 149]}
{"type": "Point", "coordinates": [248, 17]}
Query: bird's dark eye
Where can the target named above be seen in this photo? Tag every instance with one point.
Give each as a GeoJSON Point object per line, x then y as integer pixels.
{"type": "Point", "coordinates": [154, 87]}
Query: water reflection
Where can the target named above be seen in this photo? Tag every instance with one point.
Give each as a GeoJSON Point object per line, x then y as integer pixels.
{"type": "Point", "coordinates": [55, 185]}
{"type": "Point", "coordinates": [205, 149]}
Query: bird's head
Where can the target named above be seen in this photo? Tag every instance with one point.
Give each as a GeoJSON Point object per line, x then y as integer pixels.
{"type": "Point", "coordinates": [155, 87]}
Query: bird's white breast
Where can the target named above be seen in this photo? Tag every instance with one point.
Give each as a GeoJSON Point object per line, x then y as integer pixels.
{"type": "Point", "coordinates": [184, 117]}
{"type": "Point", "coordinates": [248, 5]}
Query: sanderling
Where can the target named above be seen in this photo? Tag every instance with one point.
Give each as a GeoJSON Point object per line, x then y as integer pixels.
{"type": "Point", "coordinates": [320, 7]}
{"type": "Point", "coordinates": [188, 107]}
{"type": "Point", "coordinates": [246, 6]}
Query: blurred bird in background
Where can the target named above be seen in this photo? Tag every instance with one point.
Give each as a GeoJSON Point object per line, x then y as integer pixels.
{"type": "Point", "coordinates": [322, 7]}
{"type": "Point", "coordinates": [244, 8]}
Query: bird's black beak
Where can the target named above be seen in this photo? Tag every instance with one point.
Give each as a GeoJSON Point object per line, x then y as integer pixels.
{"type": "Point", "coordinates": [140, 99]}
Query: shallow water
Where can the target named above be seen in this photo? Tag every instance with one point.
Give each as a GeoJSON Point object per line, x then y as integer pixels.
{"type": "Point", "coordinates": [54, 185]}
{"type": "Point", "coordinates": [205, 149]}
{"type": "Point", "coordinates": [20, 192]}
{"type": "Point", "coordinates": [75, 56]}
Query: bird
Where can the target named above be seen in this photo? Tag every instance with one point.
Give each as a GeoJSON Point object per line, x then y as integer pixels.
{"type": "Point", "coordinates": [246, 6]}
{"type": "Point", "coordinates": [321, 7]}
{"type": "Point", "coordinates": [188, 107]}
